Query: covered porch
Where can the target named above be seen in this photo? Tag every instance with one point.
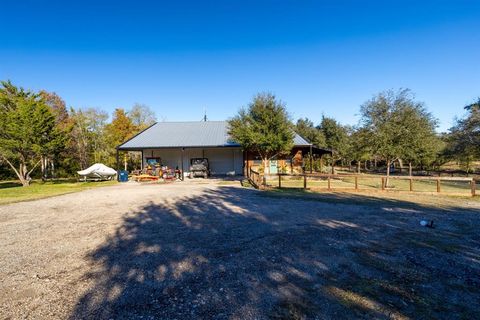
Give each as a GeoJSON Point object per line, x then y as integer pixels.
{"type": "Point", "coordinates": [222, 160]}
{"type": "Point", "coordinates": [299, 160]}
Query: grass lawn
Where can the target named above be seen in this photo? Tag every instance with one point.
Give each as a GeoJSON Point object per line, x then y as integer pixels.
{"type": "Point", "coordinates": [13, 191]}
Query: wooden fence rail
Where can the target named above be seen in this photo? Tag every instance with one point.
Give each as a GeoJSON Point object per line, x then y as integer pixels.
{"type": "Point", "coordinates": [255, 179]}
{"type": "Point", "coordinates": [356, 182]}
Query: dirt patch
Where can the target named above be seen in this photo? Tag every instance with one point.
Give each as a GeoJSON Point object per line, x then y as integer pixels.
{"type": "Point", "coordinates": [214, 250]}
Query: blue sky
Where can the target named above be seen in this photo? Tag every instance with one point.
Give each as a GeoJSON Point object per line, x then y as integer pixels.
{"type": "Point", "coordinates": [179, 57]}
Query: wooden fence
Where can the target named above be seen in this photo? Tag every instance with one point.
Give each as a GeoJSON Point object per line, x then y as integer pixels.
{"type": "Point", "coordinates": [362, 182]}
{"type": "Point", "coordinates": [256, 179]}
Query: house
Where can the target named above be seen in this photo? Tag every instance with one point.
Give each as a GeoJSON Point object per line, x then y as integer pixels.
{"type": "Point", "coordinates": [174, 144]}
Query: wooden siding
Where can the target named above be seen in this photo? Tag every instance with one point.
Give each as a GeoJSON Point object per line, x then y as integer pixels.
{"type": "Point", "coordinates": [292, 162]}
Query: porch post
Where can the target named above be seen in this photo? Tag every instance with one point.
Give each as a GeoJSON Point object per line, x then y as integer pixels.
{"type": "Point", "coordinates": [311, 159]}
{"type": "Point", "coordinates": [247, 162]}
{"type": "Point", "coordinates": [183, 175]}
{"type": "Point", "coordinates": [117, 165]}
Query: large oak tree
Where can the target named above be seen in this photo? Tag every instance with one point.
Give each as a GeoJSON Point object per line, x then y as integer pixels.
{"type": "Point", "coordinates": [398, 126]}
{"type": "Point", "coordinates": [263, 127]}
{"type": "Point", "coordinates": [336, 139]}
{"type": "Point", "coordinates": [464, 137]}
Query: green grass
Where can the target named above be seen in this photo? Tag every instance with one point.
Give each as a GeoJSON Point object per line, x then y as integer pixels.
{"type": "Point", "coordinates": [12, 191]}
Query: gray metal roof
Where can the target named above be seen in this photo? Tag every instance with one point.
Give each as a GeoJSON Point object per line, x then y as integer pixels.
{"type": "Point", "coordinates": [188, 134]}
{"type": "Point", "coordinates": [298, 140]}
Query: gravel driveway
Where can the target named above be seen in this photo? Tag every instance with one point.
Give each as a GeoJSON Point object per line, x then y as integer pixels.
{"type": "Point", "coordinates": [201, 250]}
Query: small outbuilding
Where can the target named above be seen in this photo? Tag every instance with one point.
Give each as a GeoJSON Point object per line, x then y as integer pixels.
{"type": "Point", "coordinates": [174, 144]}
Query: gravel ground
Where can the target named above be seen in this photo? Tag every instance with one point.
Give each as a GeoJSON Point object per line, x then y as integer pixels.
{"type": "Point", "coordinates": [201, 250]}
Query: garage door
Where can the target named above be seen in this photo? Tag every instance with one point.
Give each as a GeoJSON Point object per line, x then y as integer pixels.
{"type": "Point", "coordinates": [222, 161]}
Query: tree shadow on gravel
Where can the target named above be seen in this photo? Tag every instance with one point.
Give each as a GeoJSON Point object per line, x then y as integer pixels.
{"type": "Point", "coordinates": [232, 253]}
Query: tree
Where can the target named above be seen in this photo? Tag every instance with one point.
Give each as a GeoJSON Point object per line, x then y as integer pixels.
{"type": "Point", "coordinates": [27, 130]}
{"type": "Point", "coordinates": [118, 131]}
{"type": "Point", "coordinates": [307, 130]}
{"type": "Point", "coordinates": [464, 137]}
{"type": "Point", "coordinates": [56, 105]}
{"type": "Point", "coordinates": [80, 138]}
{"type": "Point", "coordinates": [96, 123]}
{"type": "Point", "coordinates": [336, 138]}
{"type": "Point", "coordinates": [420, 141]}
{"type": "Point", "coordinates": [400, 127]}
{"type": "Point", "coordinates": [264, 127]}
{"type": "Point", "coordinates": [142, 116]}
{"type": "Point", "coordinates": [359, 148]}
{"type": "Point", "coordinates": [63, 124]}
{"type": "Point", "coordinates": [471, 128]}
{"type": "Point", "coordinates": [88, 134]}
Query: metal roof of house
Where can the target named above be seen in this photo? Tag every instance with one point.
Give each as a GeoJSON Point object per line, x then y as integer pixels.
{"type": "Point", "coordinates": [298, 141]}
{"type": "Point", "coordinates": [188, 134]}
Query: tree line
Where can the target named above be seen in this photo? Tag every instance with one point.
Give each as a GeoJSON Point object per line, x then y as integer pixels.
{"type": "Point", "coordinates": [41, 137]}
{"type": "Point", "coordinates": [394, 128]}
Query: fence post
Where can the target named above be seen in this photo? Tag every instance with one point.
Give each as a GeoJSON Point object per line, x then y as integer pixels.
{"type": "Point", "coordinates": [279, 181]}
{"type": "Point", "coordinates": [473, 185]}
{"type": "Point", "coordinates": [411, 184]}
{"type": "Point", "coordinates": [438, 185]}
{"type": "Point", "coordinates": [356, 182]}
{"type": "Point", "coordinates": [329, 181]}
{"type": "Point", "coordinates": [304, 181]}
{"type": "Point", "coordinates": [383, 183]}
